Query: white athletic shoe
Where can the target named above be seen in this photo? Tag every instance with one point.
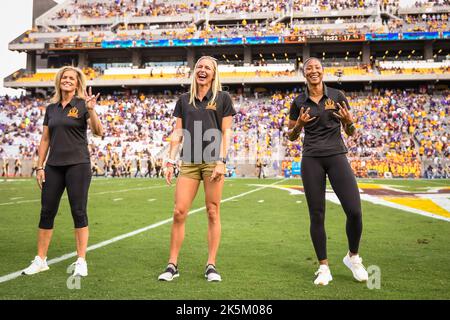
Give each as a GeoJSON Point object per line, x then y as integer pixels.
{"type": "Point", "coordinates": [211, 273]}
{"type": "Point", "coordinates": [170, 273]}
{"type": "Point", "coordinates": [323, 275]}
{"type": "Point", "coordinates": [81, 269]}
{"type": "Point", "coordinates": [36, 266]}
{"type": "Point", "coordinates": [354, 263]}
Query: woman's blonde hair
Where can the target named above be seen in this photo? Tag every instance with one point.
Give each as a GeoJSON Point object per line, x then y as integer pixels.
{"type": "Point", "coordinates": [216, 86]}
{"type": "Point", "coordinates": [81, 83]}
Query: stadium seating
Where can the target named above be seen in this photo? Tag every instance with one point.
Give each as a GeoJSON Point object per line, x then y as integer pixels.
{"type": "Point", "coordinates": [399, 131]}
{"type": "Point", "coordinates": [413, 66]}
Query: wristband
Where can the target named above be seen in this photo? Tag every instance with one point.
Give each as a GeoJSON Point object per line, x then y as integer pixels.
{"type": "Point", "coordinates": [40, 168]}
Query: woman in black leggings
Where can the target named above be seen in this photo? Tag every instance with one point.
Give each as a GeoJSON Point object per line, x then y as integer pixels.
{"type": "Point", "coordinates": [321, 111]}
{"type": "Point", "coordinates": [68, 166]}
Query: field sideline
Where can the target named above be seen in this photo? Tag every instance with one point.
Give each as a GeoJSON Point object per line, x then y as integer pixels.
{"type": "Point", "coordinates": [265, 252]}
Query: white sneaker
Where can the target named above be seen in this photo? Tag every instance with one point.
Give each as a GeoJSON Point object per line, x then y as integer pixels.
{"type": "Point", "coordinates": [211, 274]}
{"type": "Point", "coordinates": [80, 268]}
{"type": "Point", "coordinates": [170, 273]}
{"type": "Point", "coordinates": [354, 263]}
{"type": "Point", "coordinates": [37, 265]}
{"type": "Point", "coordinates": [323, 275]}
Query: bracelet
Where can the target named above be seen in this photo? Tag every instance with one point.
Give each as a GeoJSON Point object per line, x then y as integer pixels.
{"type": "Point", "coordinates": [40, 168]}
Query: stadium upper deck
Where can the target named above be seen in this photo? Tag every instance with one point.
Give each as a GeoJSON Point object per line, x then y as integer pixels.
{"type": "Point", "coordinates": [262, 41]}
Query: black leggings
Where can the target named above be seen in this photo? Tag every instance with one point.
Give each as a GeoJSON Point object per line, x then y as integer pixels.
{"type": "Point", "coordinates": [76, 178]}
{"type": "Point", "coordinates": [343, 182]}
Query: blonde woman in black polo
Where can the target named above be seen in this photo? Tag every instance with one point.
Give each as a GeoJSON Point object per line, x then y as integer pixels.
{"type": "Point", "coordinates": [64, 141]}
{"type": "Point", "coordinates": [203, 121]}
{"type": "Point", "coordinates": [321, 111]}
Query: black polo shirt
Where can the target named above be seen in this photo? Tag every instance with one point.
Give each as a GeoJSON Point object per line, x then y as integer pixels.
{"type": "Point", "coordinates": [68, 137]}
{"type": "Point", "coordinates": [203, 123]}
{"type": "Point", "coordinates": [323, 134]}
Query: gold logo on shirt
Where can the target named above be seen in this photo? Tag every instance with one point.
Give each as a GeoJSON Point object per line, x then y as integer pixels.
{"type": "Point", "coordinates": [329, 105]}
{"type": "Point", "coordinates": [73, 113]}
{"type": "Point", "coordinates": [211, 106]}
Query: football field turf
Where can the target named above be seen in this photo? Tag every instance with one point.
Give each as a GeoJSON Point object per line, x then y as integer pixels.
{"type": "Point", "coordinates": [265, 251]}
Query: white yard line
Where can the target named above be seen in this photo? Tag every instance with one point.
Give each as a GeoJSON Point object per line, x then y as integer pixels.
{"type": "Point", "coordinates": [90, 194]}
{"type": "Point", "coordinates": [16, 274]}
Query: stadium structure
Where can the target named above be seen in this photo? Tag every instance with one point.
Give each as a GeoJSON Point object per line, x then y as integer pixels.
{"type": "Point", "coordinates": [374, 50]}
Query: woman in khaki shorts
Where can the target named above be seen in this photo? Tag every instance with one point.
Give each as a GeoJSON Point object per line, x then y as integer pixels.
{"type": "Point", "coordinates": [203, 121]}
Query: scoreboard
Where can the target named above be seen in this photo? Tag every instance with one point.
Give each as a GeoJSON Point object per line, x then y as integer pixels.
{"type": "Point", "coordinates": [325, 38]}
{"type": "Point", "coordinates": [350, 37]}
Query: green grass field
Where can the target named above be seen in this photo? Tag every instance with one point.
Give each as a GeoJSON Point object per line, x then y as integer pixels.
{"type": "Point", "coordinates": [265, 252]}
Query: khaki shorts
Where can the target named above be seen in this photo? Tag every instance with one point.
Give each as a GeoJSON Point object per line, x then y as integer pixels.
{"type": "Point", "coordinates": [197, 171]}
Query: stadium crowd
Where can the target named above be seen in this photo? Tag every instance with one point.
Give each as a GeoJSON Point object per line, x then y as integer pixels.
{"type": "Point", "coordinates": [138, 8]}
{"type": "Point", "coordinates": [400, 132]}
{"type": "Point", "coordinates": [118, 8]}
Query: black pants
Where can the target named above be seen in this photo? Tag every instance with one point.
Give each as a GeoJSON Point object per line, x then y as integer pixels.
{"type": "Point", "coordinates": [343, 182]}
{"type": "Point", "coordinates": [261, 173]}
{"type": "Point", "coordinates": [76, 178]}
{"type": "Point", "coordinates": [138, 170]}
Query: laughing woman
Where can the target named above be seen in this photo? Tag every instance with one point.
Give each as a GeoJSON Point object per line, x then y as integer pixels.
{"type": "Point", "coordinates": [68, 166]}
{"type": "Point", "coordinates": [203, 121]}
{"type": "Point", "coordinates": [322, 111]}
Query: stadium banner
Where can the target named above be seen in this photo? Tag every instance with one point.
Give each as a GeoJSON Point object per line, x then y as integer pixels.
{"type": "Point", "coordinates": [382, 36]}
{"type": "Point", "coordinates": [294, 39]}
{"type": "Point", "coordinates": [258, 40]}
{"type": "Point", "coordinates": [152, 43]}
{"type": "Point", "coordinates": [420, 35]}
{"type": "Point", "coordinates": [296, 168]}
{"type": "Point", "coordinates": [224, 41]}
{"type": "Point", "coordinates": [117, 44]}
{"type": "Point", "coordinates": [262, 40]}
{"type": "Point", "coordinates": [188, 42]}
